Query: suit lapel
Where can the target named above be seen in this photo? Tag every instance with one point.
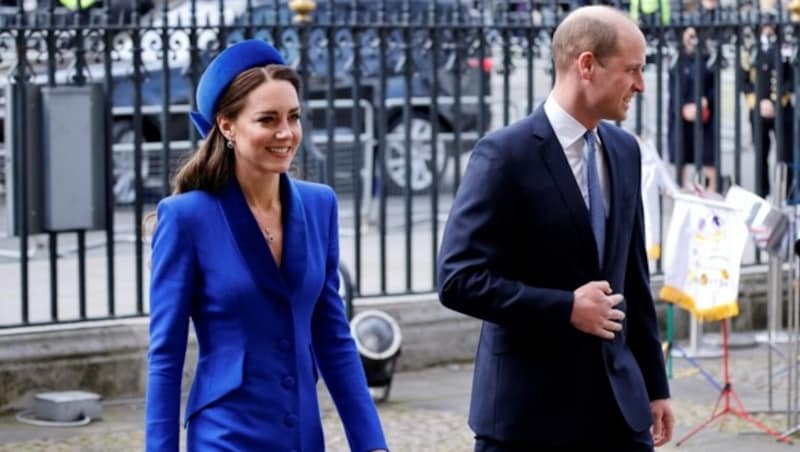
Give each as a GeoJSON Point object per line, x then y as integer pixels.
{"type": "Point", "coordinates": [556, 162]}
{"type": "Point", "coordinates": [614, 167]}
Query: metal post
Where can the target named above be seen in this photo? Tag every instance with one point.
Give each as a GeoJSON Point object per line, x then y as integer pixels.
{"type": "Point", "coordinates": [773, 334]}
{"type": "Point", "coordinates": [792, 405]}
{"type": "Point", "coordinates": [697, 348]}
{"type": "Point", "coordinates": [791, 392]}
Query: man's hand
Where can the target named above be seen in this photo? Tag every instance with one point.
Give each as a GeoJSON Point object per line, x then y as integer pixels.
{"type": "Point", "coordinates": [663, 421]}
{"type": "Point", "coordinates": [593, 310]}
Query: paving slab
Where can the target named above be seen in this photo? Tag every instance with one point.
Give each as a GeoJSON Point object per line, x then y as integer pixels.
{"type": "Point", "coordinates": [427, 411]}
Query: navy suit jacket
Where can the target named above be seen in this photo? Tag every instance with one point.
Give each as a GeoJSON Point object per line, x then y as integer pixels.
{"type": "Point", "coordinates": [517, 243]}
{"type": "Point", "coordinates": [262, 331]}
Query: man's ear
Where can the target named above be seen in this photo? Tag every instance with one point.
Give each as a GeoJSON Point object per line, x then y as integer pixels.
{"type": "Point", "coordinates": [586, 65]}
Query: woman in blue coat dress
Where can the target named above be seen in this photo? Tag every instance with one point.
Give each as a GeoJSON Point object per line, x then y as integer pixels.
{"type": "Point", "coordinates": [250, 256]}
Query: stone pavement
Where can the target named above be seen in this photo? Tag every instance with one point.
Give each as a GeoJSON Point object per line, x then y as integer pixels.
{"type": "Point", "coordinates": [427, 412]}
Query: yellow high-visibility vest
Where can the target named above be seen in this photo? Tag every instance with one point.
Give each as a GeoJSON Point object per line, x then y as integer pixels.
{"type": "Point", "coordinates": [73, 4]}
{"type": "Point", "coordinates": [650, 7]}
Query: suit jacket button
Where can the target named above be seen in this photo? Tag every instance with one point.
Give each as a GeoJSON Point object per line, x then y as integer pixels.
{"type": "Point", "coordinates": [290, 420]}
{"type": "Point", "coordinates": [288, 382]}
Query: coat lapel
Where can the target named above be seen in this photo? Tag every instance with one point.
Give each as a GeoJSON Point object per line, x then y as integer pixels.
{"type": "Point", "coordinates": [254, 248]}
{"type": "Point", "coordinates": [250, 240]}
{"type": "Point", "coordinates": [556, 162]}
{"type": "Point", "coordinates": [295, 253]}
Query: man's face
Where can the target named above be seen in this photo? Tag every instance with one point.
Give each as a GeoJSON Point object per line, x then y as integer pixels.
{"type": "Point", "coordinates": [619, 77]}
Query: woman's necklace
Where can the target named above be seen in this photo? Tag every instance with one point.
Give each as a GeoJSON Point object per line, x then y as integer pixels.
{"type": "Point", "coordinates": [262, 219]}
{"type": "Point", "coordinates": [268, 234]}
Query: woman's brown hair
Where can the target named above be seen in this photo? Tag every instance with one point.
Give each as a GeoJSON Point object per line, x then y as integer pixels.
{"type": "Point", "coordinates": [212, 165]}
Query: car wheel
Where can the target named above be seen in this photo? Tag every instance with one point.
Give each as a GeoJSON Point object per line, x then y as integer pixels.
{"type": "Point", "coordinates": [422, 165]}
{"type": "Point", "coordinates": [123, 162]}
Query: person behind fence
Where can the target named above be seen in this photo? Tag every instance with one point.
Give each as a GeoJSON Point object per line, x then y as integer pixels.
{"type": "Point", "coordinates": [764, 96]}
{"type": "Point", "coordinates": [684, 72]}
{"type": "Point", "coordinates": [545, 244]}
{"type": "Point", "coordinates": [650, 12]}
{"type": "Point", "coordinates": [251, 257]}
{"type": "Point", "coordinates": [709, 13]}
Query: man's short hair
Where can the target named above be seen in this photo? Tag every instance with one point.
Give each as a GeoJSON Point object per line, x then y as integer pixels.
{"type": "Point", "coordinates": [585, 33]}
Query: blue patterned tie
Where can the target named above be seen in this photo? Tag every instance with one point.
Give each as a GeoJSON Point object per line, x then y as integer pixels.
{"type": "Point", "coordinates": [596, 209]}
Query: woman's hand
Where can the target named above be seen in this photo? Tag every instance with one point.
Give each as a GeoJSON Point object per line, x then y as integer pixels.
{"type": "Point", "coordinates": [688, 112]}
{"type": "Point", "coordinates": [767, 108]}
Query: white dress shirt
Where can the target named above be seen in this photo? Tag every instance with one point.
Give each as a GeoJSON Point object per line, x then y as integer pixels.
{"type": "Point", "coordinates": [569, 133]}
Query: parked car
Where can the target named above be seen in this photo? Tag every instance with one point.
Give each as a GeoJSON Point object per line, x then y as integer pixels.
{"type": "Point", "coordinates": [272, 21]}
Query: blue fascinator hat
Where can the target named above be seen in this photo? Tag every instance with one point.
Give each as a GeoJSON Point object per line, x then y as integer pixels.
{"type": "Point", "coordinates": [220, 73]}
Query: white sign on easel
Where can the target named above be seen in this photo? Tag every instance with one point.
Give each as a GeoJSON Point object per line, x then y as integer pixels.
{"type": "Point", "coordinates": [702, 257]}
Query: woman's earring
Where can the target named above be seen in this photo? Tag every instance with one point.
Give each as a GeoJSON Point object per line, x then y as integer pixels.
{"type": "Point", "coordinates": [229, 144]}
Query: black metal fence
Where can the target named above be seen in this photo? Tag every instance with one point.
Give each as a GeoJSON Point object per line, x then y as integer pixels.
{"type": "Point", "coordinates": [396, 93]}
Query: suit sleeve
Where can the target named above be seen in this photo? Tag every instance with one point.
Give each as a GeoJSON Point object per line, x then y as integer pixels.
{"type": "Point", "coordinates": [687, 83]}
{"type": "Point", "coordinates": [643, 337]}
{"type": "Point", "coordinates": [469, 277]}
{"type": "Point", "coordinates": [338, 358]}
{"type": "Point", "coordinates": [172, 283]}
{"type": "Point", "coordinates": [709, 86]}
{"type": "Point", "coordinates": [672, 92]}
{"type": "Point", "coordinates": [787, 87]}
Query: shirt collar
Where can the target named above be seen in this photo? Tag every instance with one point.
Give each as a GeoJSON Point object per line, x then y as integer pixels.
{"type": "Point", "coordinates": [567, 129]}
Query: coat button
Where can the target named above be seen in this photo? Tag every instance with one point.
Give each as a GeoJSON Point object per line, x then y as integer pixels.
{"type": "Point", "coordinates": [290, 420]}
{"type": "Point", "coordinates": [283, 344]}
{"type": "Point", "coordinates": [288, 382]}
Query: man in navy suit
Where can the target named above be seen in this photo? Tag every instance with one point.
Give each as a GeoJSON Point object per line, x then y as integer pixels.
{"type": "Point", "coordinates": [545, 244]}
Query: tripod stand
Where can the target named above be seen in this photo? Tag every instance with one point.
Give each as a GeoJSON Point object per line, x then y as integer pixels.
{"type": "Point", "coordinates": [737, 408]}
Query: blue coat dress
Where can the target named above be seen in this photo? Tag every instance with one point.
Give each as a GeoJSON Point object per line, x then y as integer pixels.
{"type": "Point", "coordinates": [262, 331]}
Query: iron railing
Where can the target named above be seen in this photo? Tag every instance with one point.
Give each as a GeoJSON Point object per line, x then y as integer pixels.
{"type": "Point", "coordinates": [396, 93]}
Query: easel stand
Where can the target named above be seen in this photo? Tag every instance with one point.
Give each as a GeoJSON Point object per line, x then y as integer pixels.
{"type": "Point", "coordinates": [695, 351]}
{"type": "Point", "coordinates": [726, 407]}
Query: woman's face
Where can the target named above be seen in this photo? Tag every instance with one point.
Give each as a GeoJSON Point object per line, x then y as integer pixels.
{"type": "Point", "coordinates": [689, 39]}
{"type": "Point", "coordinates": [267, 131]}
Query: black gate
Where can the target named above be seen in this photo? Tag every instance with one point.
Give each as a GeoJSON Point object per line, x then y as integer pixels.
{"type": "Point", "coordinates": [396, 93]}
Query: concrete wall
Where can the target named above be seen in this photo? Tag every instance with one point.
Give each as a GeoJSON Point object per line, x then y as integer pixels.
{"type": "Point", "coordinates": [110, 357]}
